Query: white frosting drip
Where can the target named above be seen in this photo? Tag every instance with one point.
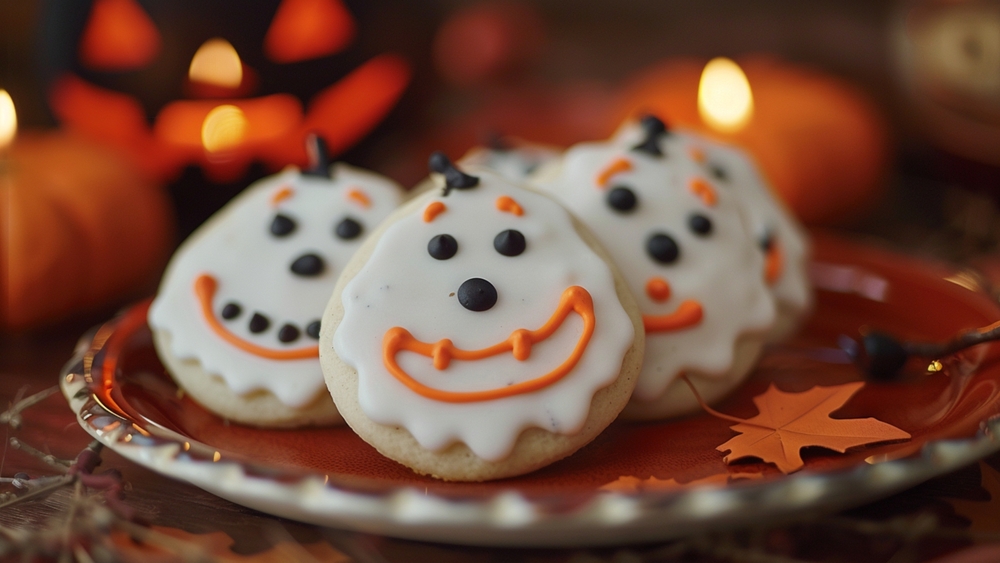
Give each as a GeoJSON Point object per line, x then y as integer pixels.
{"type": "Point", "coordinates": [723, 270]}
{"type": "Point", "coordinates": [251, 265]}
{"type": "Point", "coordinates": [402, 285]}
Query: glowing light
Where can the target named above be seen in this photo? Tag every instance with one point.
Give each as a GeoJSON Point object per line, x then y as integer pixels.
{"type": "Point", "coordinates": [725, 101]}
{"type": "Point", "coordinates": [224, 128]}
{"type": "Point", "coordinates": [935, 366]}
{"type": "Point", "coordinates": [8, 119]}
{"type": "Point", "coordinates": [217, 63]}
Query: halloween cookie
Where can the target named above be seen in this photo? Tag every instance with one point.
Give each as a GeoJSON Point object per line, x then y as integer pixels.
{"type": "Point", "coordinates": [237, 317]}
{"type": "Point", "coordinates": [770, 223]}
{"type": "Point", "coordinates": [513, 159]}
{"type": "Point", "coordinates": [480, 333]}
{"type": "Point", "coordinates": [680, 239]}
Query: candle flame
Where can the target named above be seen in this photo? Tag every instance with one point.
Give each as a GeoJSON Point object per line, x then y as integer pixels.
{"type": "Point", "coordinates": [217, 63]}
{"type": "Point", "coordinates": [224, 128]}
{"type": "Point", "coordinates": [8, 119]}
{"type": "Point", "coordinates": [725, 101]}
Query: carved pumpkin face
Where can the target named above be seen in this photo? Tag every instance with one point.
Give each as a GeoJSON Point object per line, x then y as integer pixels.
{"type": "Point", "coordinates": [220, 84]}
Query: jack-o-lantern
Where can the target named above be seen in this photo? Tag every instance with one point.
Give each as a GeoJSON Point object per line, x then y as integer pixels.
{"type": "Point", "coordinates": [218, 84]}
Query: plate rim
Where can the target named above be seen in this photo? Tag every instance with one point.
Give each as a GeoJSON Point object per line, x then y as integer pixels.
{"type": "Point", "coordinates": [507, 518]}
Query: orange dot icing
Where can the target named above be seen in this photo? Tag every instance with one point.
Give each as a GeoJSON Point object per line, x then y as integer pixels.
{"type": "Point", "coordinates": [658, 289]}
{"type": "Point", "coordinates": [508, 205]}
{"type": "Point", "coordinates": [357, 196]}
{"type": "Point", "coordinates": [204, 288]}
{"type": "Point", "coordinates": [574, 299]}
{"type": "Point", "coordinates": [617, 166]}
{"type": "Point", "coordinates": [282, 194]}
{"type": "Point", "coordinates": [704, 191]}
{"type": "Point", "coordinates": [432, 210]}
{"type": "Point", "coordinates": [687, 315]}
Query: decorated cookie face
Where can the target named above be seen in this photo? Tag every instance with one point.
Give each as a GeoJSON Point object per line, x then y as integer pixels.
{"type": "Point", "coordinates": [776, 231]}
{"type": "Point", "coordinates": [680, 240]}
{"type": "Point", "coordinates": [480, 314]}
{"type": "Point", "coordinates": [244, 295]}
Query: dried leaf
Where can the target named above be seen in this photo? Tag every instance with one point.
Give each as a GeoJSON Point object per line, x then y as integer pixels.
{"type": "Point", "coordinates": [629, 484]}
{"type": "Point", "coordinates": [985, 514]}
{"type": "Point", "coordinates": [788, 422]}
{"type": "Point", "coordinates": [178, 545]}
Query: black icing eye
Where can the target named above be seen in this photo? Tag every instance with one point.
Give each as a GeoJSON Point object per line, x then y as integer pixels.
{"type": "Point", "coordinates": [348, 229]}
{"type": "Point", "coordinates": [699, 224]}
{"type": "Point", "coordinates": [766, 241]}
{"type": "Point", "coordinates": [622, 199]}
{"type": "Point", "coordinates": [509, 242]}
{"type": "Point", "coordinates": [718, 172]}
{"type": "Point", "coordinates": [231, 311]}
{"type": "Point", "coordinates": [442, 247]}
{"type": "Point", "coordinates": [282, 225]}
{"type": "Point", "coordinates": [259, 323]}
{"type": "Point", "coordinates": [663, 248]}
{"type": "Point", "coordinates": [312, 329]}
{"type": "Point", "coordinates": [308, 265]}
{"type": "Point", "coordinates": [288, 333]}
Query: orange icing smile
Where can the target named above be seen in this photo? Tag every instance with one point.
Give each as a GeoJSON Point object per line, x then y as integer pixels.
{"type": "Point", "coordinates": [574, 299]}
{"type": "Point", "coordinates": [204, 288]}
{"type": "Point", "coordinates": [687, 315]}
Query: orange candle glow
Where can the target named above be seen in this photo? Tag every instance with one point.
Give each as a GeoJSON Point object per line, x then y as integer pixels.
{"type": "Point", "coordinates": [820, 142]}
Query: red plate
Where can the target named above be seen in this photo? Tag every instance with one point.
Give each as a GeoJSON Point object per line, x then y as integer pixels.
{"type": "Point", "coordinates": [857, 286]}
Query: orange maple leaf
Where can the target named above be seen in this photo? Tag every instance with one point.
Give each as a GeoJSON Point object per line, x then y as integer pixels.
{"type": "Point", "coordinates": [788, 422]}
{"type": "Point", "coordinates": [629, 484]}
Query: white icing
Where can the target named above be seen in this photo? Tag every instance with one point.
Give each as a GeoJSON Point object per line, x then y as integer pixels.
{"type": "Point", "coordinates": [252, 267]}
{"type": "Point", "coordinates": [516, 163]}
{"type": "Point", "coordinates": [723, 271]}
{"type": "Point", "coordinates": [764, 212]}
{"type": "Point", "coordinates": [402, 285]}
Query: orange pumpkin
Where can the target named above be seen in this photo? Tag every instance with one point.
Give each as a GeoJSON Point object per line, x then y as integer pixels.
{"type": "Point", "coordinates": [821, 141]}
{"type": "Point", "coordinates": [79, 228]}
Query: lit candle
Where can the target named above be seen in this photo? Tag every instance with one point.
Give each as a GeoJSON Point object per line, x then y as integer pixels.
{"type": "Point", "coordinates": [819, 140]}
{"type": "Point", "coordinates": [80, 226]}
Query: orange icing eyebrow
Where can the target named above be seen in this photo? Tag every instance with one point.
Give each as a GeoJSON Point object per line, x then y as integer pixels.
{"type": "Point", "coordinates": [697, 154]}
{"type": "Point", "coordinates": [619, 165]}
{"type": "Point", "coordinates": [282, 194]}
{"type": "Point", "coordinates": [574, 299]}
{"type": "Point", "coordinates": [357, 196]}
{"type": "Point", "coordinates": [508, 205]}
{"type": "Point", "coordinates": [432, 210]}
{"type": "Point", "coordinates": [704, 191]}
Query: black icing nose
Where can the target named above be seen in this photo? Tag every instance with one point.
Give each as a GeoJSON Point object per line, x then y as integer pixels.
{"type": "Point", "coordinates": [308, 265]}
{"type": "Point", "coordinates": [477, 294]}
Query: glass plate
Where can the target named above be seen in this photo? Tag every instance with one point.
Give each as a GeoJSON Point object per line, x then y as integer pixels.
{"type": "Point", "coordinates": [635, 482]}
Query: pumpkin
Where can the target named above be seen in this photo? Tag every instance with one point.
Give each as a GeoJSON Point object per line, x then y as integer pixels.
{"type": "Point", "coordinates": [820, 141]}
{"type": "Point", "coordinates": [80, 227]}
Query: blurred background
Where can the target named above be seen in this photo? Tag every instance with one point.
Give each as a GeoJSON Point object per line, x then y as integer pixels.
{"type": "Point", "coordinates": [881, 118]}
